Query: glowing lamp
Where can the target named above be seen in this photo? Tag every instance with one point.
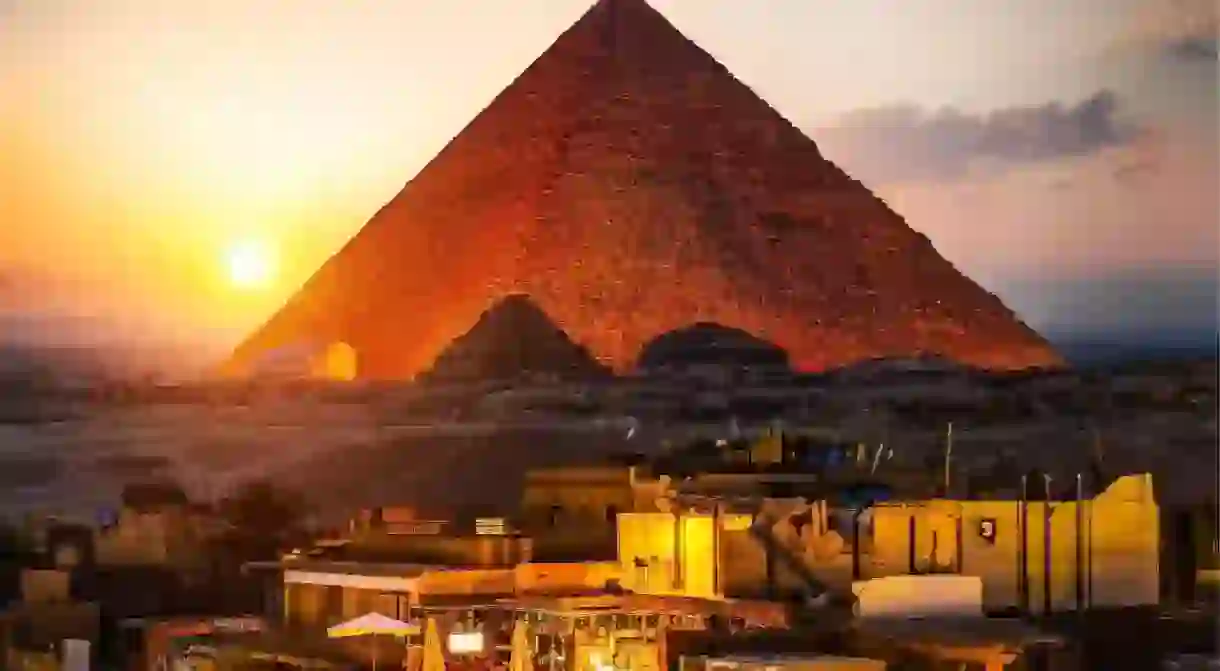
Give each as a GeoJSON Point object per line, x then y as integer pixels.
{"type": "Point", "coordinates": [466, 642]}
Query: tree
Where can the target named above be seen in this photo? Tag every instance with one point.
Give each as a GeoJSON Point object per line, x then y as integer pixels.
{"type": "Point", "coordinates": [263, 519]}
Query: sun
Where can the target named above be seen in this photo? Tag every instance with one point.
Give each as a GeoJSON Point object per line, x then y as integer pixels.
{"type": "Point", "coordinates": [250, 264]}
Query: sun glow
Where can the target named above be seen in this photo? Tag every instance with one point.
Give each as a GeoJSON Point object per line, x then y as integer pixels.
{"type": "Point", "coordinates": [251, 264]}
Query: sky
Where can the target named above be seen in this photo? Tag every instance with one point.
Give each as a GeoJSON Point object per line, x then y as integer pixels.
{"type": "Point", "coordinates": [1063, 153]}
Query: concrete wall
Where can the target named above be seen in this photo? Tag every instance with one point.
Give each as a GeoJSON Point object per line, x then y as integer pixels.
{"type": "Point", "coordinates": [1125, 543]}
{"type": "Point", "coordinates": [1121, 524]}
{"type": "Point", "coordinates": [448, 550]}
{"type": "Point", "coordinates": [919, 596]}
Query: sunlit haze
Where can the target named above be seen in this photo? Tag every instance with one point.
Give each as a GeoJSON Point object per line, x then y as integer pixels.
{"type": "Point", "coordinates": [251, 264]}
{"type": "Point", "coordinates": [175, 170]}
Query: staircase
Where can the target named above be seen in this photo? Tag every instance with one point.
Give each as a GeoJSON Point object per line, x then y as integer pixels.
{"type": "Point", "coordinates": [762, 530]}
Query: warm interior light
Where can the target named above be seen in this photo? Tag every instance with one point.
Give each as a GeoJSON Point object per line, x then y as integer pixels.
{"type": "Point", "coordinates": [465, 642]}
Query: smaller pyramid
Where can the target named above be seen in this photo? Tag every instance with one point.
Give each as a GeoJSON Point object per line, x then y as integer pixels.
{"type": "Point", "coordinates": [704, 343]}
{"type": "Point", "coordinates": [514, 339]}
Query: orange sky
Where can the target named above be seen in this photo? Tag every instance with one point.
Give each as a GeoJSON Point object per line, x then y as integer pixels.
{"type": "Point", "coordinates": [141, 140]}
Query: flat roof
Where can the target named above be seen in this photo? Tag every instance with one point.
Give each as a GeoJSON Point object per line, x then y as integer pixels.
{"type": "Point", "coordinates": [957, 631]}
{"type": "Point", "coordinates": [390, 569]}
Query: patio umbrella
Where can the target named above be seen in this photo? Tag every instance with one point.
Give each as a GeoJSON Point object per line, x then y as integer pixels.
{"type": "Point", "coordinates": [372, 625]}
{"type": "Point", "coordinates": [522, 657]}
{"type": "Point", "coordinates": [434, 656]}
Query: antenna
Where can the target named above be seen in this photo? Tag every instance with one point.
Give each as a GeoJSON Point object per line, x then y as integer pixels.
{"type": "Point", "coordinates": [1099, 457]}
{"type": "Point", "coordinates": [877, 458]}
{"type": "Point", "coordinates": [948, 454]}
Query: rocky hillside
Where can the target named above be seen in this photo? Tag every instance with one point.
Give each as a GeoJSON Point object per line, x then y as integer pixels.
{"type": "Point", "coordinates": [632, 186]}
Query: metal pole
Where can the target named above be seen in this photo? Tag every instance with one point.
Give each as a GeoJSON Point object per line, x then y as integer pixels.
{"type": "Point", "coordinates": [911, 542]}
{"type": "Point", "coordinates": [1046, 549]}
{"type": "Point", "coordinates": [677, 568]}
{"type": "Point", "coordinates": [716, 548]}
{"type": "Point", "coordinates": [1079, 543]}
{"type": "Point", "coordinates": [1089, 559]}
{"type": "Point", "coordinates": [1023, 548]}
{"type": "Point", "coordinates": [855, 544]}
{"type": "Point", "coordinates": [960, 549]}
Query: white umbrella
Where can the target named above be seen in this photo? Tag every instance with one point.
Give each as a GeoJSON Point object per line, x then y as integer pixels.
{"type": "Point", "coordinates": [373, 625]}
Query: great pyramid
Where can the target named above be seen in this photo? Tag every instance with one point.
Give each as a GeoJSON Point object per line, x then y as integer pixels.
{"type": "Point", "coordinates": [630, 185]}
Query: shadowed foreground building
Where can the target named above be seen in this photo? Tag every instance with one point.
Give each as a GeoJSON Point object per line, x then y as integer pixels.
{"type": "Point", "coordinates": [631, 186]}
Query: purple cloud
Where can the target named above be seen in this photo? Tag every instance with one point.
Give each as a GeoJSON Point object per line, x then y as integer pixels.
{"type": "Point", "coordinates": [907, 143]}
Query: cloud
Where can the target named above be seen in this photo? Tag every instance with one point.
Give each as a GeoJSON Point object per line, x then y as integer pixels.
{"type": "Point", "coordinates": [1194, 49]}
{"type": "Point", "coordinates": [1180, 30]}
{"type": "Point", "coordinates": [906, 143]}
{"type": "Point", "coordinates": [1052, 239]}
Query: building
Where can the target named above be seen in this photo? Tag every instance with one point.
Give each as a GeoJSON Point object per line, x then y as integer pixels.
{"type": "Point", "coordinates": [571, 513]}
{"type": "Point", "coordinates": [483, 579]}
{"type": "Point", "coordinates": [156, 527]}
{"type": "Point", "coordinates": [38, 626]}
{"type": "Point", "coordinates": [1039, 556]}
{"type": "Point", "coordinates": [336, 361]}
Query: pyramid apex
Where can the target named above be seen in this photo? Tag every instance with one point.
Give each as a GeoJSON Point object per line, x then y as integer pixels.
{"type": "Point", "coordinates": [619, 3]}
{"type": "Point", "coordinates": [614, 7]}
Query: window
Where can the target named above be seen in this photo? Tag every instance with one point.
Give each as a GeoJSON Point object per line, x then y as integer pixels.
{"type": "Point", "coordinates": [387, 605]}
{"type": "Point", "coordinates": [555, 513]}
{"type": "Point", "coordinates": [332, 604]}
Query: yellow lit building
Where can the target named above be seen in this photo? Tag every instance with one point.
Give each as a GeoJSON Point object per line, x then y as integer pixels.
{"type": "Point", "coordinates": [1106, 553]}
{"type": "Point", "coordinates": [337, 361]}
{"type": "Point", "coordinates": [664, 553]}
{"type": "Point", "coordinates": [771, 546]}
